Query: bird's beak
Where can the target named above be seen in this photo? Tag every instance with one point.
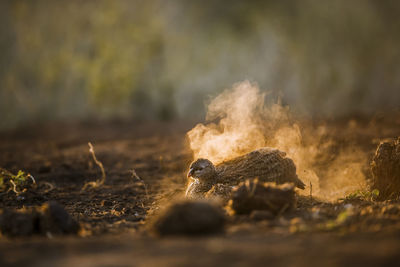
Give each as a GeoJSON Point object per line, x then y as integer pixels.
{"type": "Point", "coordinates": [190, 173]}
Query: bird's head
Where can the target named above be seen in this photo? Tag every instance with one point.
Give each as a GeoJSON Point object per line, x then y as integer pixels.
{"type": "Point", "coordinates": [202, 169]}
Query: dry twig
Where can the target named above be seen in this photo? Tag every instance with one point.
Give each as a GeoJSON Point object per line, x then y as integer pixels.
{"type": "Point", "coordinates": [134, 175]}
{"type": "Point", "coordinates": [14, 189]}
{"type": "Point", "coordinates": [98, 163]}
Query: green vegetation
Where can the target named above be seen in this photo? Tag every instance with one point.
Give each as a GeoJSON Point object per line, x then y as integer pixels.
{"type": "Point", "coordinates": [15, 182]}
{"type": "Point", "coordinates": [342, 218]}
{"type": "Point", "coordinates": [161, 59]}
{"type": "Point", "coordinates": [363, 195]}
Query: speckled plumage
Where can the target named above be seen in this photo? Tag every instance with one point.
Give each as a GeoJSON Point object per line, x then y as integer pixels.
{"type": "Point", "coordinates": [220, 191]}
{"type": "Point", "coordinates": [266, 164]}
{"type": "Point", "coordinates": [197, 189]}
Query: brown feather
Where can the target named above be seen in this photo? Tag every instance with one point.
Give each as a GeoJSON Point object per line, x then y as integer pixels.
{"type": "Point", "coordinates": [266, 164]}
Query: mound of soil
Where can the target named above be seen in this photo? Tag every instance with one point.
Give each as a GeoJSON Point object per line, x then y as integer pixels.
{"type": "Point", "coordinates": [189, 218]}
{"type": "Point", "coordinates": [385, 167]}
{"type": "Point", "coordinates": [50, 218]}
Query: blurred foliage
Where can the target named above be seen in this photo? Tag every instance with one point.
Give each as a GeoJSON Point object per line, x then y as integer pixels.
{"type": "Point", "coordinates": [73, 57]}
{"type": "Point", "coordinates": [161, 59]}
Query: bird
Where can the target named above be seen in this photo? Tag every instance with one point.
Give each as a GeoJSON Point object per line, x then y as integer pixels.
{"type": "Point", "coordinates": [267, 164]}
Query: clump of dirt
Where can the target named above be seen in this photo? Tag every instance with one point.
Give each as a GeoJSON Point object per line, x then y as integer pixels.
{"type": "Point", "coordinates": [50, 218]}
{"type": "Point", "coordinates": [189, 218]}
{"type": "Point", "coordinates": [55, 219]}
{"type": "Point", "coordinates": [252, 195]}
{"type": "Point", "coordinates": [16, 223]}
{"type": "Point", "coordinates": [385, 167]}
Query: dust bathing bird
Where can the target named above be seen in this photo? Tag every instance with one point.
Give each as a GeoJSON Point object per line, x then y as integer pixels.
{"type": "Point", "coordinates": [266, 164]}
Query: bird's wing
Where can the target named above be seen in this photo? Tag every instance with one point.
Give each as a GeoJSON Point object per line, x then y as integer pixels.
{"type": "Point", "coordinates": [269, 165]}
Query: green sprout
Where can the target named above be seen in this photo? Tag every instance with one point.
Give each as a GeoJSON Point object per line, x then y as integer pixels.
{"type": "Point", "coordinates": [17, 183]}
{"type": "Point", "coordinates": [362, 195]}
{"type": "Point", "coordinates": [341, 219]}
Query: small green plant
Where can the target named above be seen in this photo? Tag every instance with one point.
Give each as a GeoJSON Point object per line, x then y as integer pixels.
{"type": "Point", "coordinates": [362, 195]}
{"type": "Point", "coordinates": [17, 183]}
{"type": "Point", "coordinates": [341, 219]}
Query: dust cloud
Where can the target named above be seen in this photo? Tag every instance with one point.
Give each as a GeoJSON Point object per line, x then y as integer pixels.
{"type": "Point", "coordinates": [244, 118]}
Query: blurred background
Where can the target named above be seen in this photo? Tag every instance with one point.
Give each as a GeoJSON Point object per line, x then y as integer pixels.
{"type": "Point", "coordinates": [164, 60]}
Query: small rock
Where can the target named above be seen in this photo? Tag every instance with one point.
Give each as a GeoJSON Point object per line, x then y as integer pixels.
{"type": "Point", "coordinates": [253, 195]}
{"type": "Point", "coordinates": [189, 217]}
{"type": "Point", "coordinates": [106, 203]}
{"type": "Point", "coordinates": [367, 211]}
{"type": "Point", "coordinates": [391, 210]}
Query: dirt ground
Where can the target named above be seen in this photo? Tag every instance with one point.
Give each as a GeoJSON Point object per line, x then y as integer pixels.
{"type": "Point", "coordinates": [114, 216]}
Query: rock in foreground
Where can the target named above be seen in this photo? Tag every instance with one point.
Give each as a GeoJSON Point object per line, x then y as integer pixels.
{"type": "Point", "coordinates": [189, 217]}
{"type": "Point", "coordinates": [56, 220]}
